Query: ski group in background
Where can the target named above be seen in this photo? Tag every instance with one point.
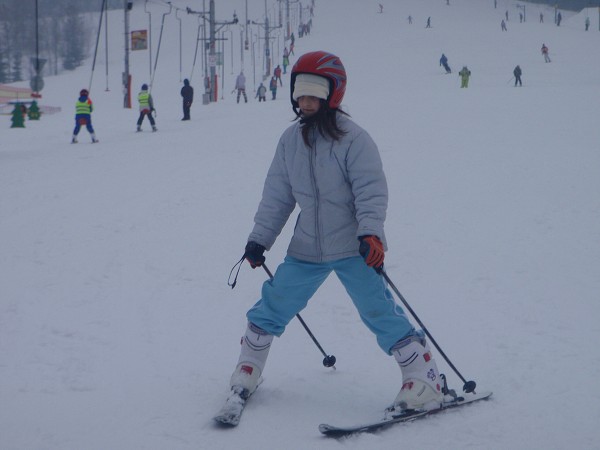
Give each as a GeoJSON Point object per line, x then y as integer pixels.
{"type": "Point", "coordinates": [84, 105]}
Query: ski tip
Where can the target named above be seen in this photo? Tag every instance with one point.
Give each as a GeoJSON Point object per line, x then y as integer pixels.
{"type": "Point", "coordinates": [226, 421]}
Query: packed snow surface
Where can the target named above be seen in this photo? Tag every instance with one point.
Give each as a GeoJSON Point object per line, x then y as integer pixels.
{"type": "Point", "coordinates": [118, 329]}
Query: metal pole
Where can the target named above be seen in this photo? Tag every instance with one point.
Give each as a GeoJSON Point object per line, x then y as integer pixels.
{"type": "Point", "coordinates": [126, 86]}
{"type": "Point", "coordinates": [149, 38]}
{"type": "Point", "coordinates": [212, 37]}
{"type": "Point", "coordinates": [222, 51]}
{"type": "Point", "coordinates": [106, 41]}
{"type": "Point", "coordinates": [37, 42]}
{"type": "Point", "coordinates": [231, 37]}
{"type": "Point", "coordinates": [267, 49]}
{"type": "Point", "coordinates": [180, 56]}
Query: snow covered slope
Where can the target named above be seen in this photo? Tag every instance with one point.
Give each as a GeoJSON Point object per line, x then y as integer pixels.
{"type": "Point", "coordinates": [118, 329]}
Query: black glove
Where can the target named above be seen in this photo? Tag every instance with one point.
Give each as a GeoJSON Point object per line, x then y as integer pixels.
{"type": "Point", "coordinates": [254, 254]}
{"type": "Point", "coordinates": [371, 249]}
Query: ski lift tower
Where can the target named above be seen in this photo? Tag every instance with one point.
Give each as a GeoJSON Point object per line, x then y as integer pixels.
{"type": "Point", "coordinates": [214, 27]}
{"type": "Point", "coordinates": [268, 28]}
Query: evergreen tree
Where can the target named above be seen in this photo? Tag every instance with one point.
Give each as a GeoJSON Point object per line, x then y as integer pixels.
{"type": "Point", "coordinates": [34, 111]}
{"type": "Point", "coordinates": [17, 119]}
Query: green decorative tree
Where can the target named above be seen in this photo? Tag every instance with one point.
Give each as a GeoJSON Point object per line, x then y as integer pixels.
{"type": "Point", "coordinates": [34, 111]}
{"type": "Point", "coordinates": [18, 121]}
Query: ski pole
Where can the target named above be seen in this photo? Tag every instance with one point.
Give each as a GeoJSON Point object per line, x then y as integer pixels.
{"type": "Point", "coordinates": [469, 386]}
{"type": "Point", "coordinates": [328, 360]}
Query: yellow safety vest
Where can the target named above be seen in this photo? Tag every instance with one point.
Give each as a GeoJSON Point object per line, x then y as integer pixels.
{"type": "Point", "coordinates": [83, 107]}
{"type": "Point", "coordinates": [144, 99]}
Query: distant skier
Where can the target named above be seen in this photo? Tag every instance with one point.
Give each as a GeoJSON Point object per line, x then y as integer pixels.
{"type": "Point", "coordinates": [273, 88]}
{"type": "Point", "coordinates": [286, 59]}
{"type": "Point", "coordinates": [146, 107]}
{"type": "Point", "coordinates": [517, 73]}
{"type": "Point", "coordinates": [240, 85]}
{"type": "Point", "coordinates": [464, 75]}
{"type": "Point", "coordinates": [545, 53]}
{"type": "Point", "coordinates": [261, 93]}
{"type": "Point", "coordinates": [541, 17]}
{"type": "Point", "coordinates": [277, 74]}
{"type": "Point", "coordinates": [187, 92]}
{"type": "Point", "coordinates": [587, 23]}
{"type": "Point", "coordinates": [444, 62]}
{"type": "Point", "coordinates": [503, 25]}
{"type": "Point", "coordinates": [558, 19]}
{"type": "Point", "coordinates": [409, 20]}
{"type": "Point", "coordinates": [428, 23]}
{"type": "Point", "coordinates": [83, 116]}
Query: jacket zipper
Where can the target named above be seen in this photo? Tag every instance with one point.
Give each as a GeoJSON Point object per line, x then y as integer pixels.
{"type": "Point", "coordinates": [312, 163]}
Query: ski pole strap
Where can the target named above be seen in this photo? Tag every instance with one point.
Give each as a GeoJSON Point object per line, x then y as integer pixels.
{"type": "Point", "coordinates": [239, 266]}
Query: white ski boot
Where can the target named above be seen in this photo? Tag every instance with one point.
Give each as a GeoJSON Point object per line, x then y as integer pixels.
{"type": "Point", "coordinates": [421, 382]}
{"type": "Point", "coordinates": [94, 139]}
{"type": "Point", "coordinates": [74, 140]}
{"type": "Point", "coordinates": [246, 377]}
{"type": "Point", "coordinates": [154, 128]}
{"type": "Point", "coordinates": [138, 129]}
{"type": "Point", "coordinates": [247, 374]}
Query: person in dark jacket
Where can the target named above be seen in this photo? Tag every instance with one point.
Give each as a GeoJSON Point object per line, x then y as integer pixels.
{"type": "Point", "coordinates": [517, 73]}
{"type": "Point", "coordinates": [187, 92]}
{"type": "Point", "coordinates": [331, 169]}
{"type": "Point", "coordinates": [261, 93]}
{"type": "Point", "coordinates": [444, 62]}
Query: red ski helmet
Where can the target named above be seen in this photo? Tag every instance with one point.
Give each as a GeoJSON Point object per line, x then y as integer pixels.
{"type": "Point", "coordinates": [84, 93]}
{"type": "Point", "coordinates": [326, 65]}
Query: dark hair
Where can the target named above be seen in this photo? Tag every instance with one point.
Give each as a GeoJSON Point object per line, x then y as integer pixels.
{"type": "Point", "coordinates": [324, 121]}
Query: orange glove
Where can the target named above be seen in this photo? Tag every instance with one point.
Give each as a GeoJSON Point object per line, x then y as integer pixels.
{"type": "Point", "coordinates": [371, 249]}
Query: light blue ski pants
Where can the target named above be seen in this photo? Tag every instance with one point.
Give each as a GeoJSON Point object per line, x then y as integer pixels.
{"type": "Point", "coordinates": [296, 281]}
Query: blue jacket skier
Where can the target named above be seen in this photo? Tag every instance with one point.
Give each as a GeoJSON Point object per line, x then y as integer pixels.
{"type": "Point", "coordinates": [444, 62]}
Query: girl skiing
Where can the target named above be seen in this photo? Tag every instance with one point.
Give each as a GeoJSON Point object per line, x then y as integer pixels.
{"type": "Point", "coordinates": [331, 168]}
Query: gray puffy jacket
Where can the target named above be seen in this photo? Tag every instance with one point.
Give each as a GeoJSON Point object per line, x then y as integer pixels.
{"type": "Point", "coordinates": [339, 186]}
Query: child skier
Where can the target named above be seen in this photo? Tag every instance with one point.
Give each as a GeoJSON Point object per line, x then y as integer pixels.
{"type": "Point", "coordinates": [146, 108]}
{"type": "Point", "coordinates": [83, 116]}
{"type": "Point", "coordinates": [331, 168]}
